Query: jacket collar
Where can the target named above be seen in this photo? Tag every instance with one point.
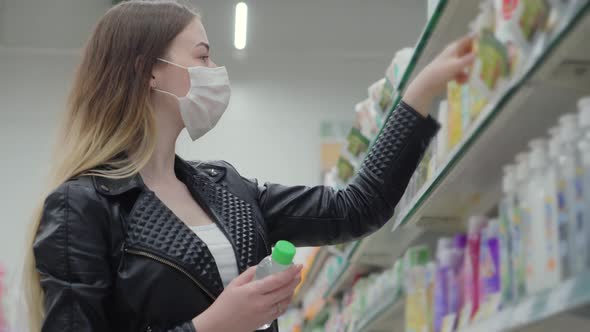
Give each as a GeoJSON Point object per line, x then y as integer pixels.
{"type": "Point", "coordinates": [184, 170]}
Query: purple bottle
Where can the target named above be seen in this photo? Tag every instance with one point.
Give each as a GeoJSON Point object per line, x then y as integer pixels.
{"type": "Point", "coordinates": [444, 259]}
{"type": "Point", "coordinates": [456, 281]}
{"type": "Point", "coordinates": [489, 263]}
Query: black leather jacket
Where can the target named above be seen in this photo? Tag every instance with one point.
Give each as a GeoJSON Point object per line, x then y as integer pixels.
{"type": "Point", "coordinates": [113, 257]}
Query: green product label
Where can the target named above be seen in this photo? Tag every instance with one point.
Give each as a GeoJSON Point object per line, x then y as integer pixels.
{"type": "Point", "coordinates": [386, 101]}
{"type": "Point", "coordinates": [494, 59]}
{"type": "Point", "coordinates": [357, 143]}
{"type": "Point", "coordinates": [534, 17]}
{"type": "Point", "coordinates": [345, 169]}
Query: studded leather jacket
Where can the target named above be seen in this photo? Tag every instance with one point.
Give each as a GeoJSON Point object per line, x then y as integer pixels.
{"type": "Point", "coordinates": [113, 257]}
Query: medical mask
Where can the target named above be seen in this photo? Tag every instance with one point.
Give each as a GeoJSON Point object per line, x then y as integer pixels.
{"type": "Point", "coordinates": [206, 100]}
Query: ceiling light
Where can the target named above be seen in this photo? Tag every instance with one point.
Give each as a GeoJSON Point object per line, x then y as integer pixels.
{"type": "Point", "coordinates": [241, 25]}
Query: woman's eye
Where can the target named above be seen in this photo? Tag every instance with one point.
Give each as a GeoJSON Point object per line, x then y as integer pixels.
{"type": "Point", "coordinates": [204, 58]}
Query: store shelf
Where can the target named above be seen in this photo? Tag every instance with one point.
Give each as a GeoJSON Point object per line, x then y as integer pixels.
{"type": "Point", "coordinates": [448, 23]}
{"type": "Point", "coordinates": [315, 268]}
{"type": "Point", "coordinates": [386, 316]}
{"type": "Point", "coordinates": [567, 305]}
{"type": "Point", "coordinates": [469, 182]}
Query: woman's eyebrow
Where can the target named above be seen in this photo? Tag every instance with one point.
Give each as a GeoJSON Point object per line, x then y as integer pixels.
{"type": "Point", "coordinates": [203, 44]}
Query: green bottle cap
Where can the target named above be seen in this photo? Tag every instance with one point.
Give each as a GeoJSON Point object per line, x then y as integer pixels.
{"type": "Point", "coordinates": [283, 252]}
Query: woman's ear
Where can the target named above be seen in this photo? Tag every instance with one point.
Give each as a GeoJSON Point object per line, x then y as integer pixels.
{"type": "Point", "coordinates": [153, 82]}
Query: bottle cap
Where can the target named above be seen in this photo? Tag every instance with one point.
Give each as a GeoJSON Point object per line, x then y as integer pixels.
{"type": "Point", "coordinates": [493, 228]}
{"type": "Point", "coordinates": [522, 168]}
{"type": "Point", "coordinates": [423, 255]}
{"type": "Point", "coordinates": [283, 252]}
{"type": "Point", "coordinates": [508, 179]}
{"type": "Point", "coordinates": [584, 115]}
{"type": "Point", "coordinates": [460, 241]}
{"type": "Point", "coordinates": [584, 103]}
{"type": "Point", "coordinates": [568, 127]}
{"type": "Point", "coordinates": [476, 223]}
{"type": "Point", "coordinates": [537, 157]}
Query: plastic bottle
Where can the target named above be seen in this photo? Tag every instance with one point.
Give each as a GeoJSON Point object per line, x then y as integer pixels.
{"type": "Point", "coordinates": [280, 260]}
{"type": "Point", "coordinates": [443, 134]}
{"type": "Point", "coordinates": [584, 152]}
{"type": "Point", "coordinates": [571, 205]}
{"type": "Point", "coordinates": [419, 277]}
{"type": "Point", "coordinates": [542, 254]}
{"type": "Point", "coordinates": [520, 221]}
{"type": "Point", "coordinates": [471, 285]}
{"type": "Point", "coordinates": [507, 206]}
{"type": "Point", "coordinates": [489, 266]}
{"type": "Point", "coordinates": [444, 259]}
{"type": "Point", "coordinates": [457, 278]}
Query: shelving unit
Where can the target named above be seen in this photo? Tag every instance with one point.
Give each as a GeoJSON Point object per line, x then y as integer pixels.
{"type": "Point", "coordinates": [387, 316]}
{"type": "Point", "coordinates": [550, 308]}
{"type": "Point", "coordinates": [469, 180]}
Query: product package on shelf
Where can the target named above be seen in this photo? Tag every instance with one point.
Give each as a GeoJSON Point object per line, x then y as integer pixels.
{"type": "Point", "coordinates": [419, 286]}
{"type": "Point", "coordinates": [363, 131]}
{"type": "Point", "coordinates": [393, 77]}
{"type": "Point", "coordinates": [375, 94]}
{"type": "Point", "coordinates": [520, 25]}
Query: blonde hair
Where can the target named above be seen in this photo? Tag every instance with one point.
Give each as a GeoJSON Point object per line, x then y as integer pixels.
{"type": "Point", "coordinates": [108, 128]}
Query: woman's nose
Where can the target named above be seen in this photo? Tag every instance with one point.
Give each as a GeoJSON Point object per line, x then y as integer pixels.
{"type": "Point", "coordinates": [212, 64]}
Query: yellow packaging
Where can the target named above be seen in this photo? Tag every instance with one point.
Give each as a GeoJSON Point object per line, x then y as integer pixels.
{"type": "Point", "coordinates": [454, 97]}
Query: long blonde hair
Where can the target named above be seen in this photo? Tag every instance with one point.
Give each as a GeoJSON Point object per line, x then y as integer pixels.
{"type": "Point", "coordinates": [109, 112]}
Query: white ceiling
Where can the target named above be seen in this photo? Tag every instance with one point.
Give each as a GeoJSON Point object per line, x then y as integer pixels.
{"type": "Point", "coordinates": [313, 44]}
{"type": "Point", "coordinates": [276, 27]}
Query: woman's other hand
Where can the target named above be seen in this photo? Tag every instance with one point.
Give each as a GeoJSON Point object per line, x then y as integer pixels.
{"type": "Point", "coordinates": [450, 64]}
{"type": "Point", "coordinates": [246, 304]}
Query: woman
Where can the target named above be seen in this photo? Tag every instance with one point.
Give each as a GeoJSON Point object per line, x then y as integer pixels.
{"type": "Point", "coordinates": [133, 238]}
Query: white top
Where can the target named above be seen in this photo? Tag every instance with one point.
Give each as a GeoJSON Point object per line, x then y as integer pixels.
{"type": "Point", "coordinates": [221, 249]}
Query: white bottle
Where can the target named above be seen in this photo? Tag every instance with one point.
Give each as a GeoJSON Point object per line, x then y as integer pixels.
{"type": "Point", "coordinates": [510, 235]}
{"type": "Point", "coordinates": [542, 254]}
{"type": "Point", "coordinates": [521, 223]}
{"type": "Point", "coordinates": [569, 185]}
{"type": "Point", "coordinates": [280, 260]}
{"type": "Point", "coordinates": [584, 153]}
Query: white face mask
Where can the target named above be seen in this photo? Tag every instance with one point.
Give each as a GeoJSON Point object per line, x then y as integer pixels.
{"type": "Point", "coordinates": [206, 100]}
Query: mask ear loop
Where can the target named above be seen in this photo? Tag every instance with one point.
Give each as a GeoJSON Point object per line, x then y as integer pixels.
{"type": "Point", "coordinates": [172, 63]}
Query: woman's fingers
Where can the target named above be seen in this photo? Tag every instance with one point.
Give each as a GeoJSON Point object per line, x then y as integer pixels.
{"type": "Point", "coordinates": [283, 293]}
{"type": "Point", "coordinates": [276, 281]}
{"type": "Point", "coordinates": [464, 45]}
{"type": "Point", "coordinates": [245, 277]}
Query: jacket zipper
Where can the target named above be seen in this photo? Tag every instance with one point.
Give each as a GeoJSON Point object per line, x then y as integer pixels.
{"type": "Point", "coordinates": [172, 265]}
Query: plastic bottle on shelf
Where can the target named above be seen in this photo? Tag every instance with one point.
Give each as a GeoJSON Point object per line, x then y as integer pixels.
{"type": "Point", "coordinates": [542, 255]}
{"type": "Point", "coordinates": [280, 260]}
{"type": "Point", "coordinates": [471, 300]}
{"type": "Point", "coordinates": [521, 220]}
{"type": "Point", "coordinates": [444, 259]}
{"type": "Point", "coordinates": [570, 197]}
{"type": "Point", "coordinates": [584, 152]}
{"type": "Point", "coordinates": [507, 207]}
{"type": "Point", "coordinates": [443, 135]}
{"type": "Point", "coordinates": [457, 279]}
{"type": "Point", "coordinates": [418, 289]}
{"type": "Point", "coordinates": [489, 268]}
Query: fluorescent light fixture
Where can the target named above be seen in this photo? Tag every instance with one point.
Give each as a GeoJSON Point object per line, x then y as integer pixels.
{"type": "Point", "coordinates": [241, 25]}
